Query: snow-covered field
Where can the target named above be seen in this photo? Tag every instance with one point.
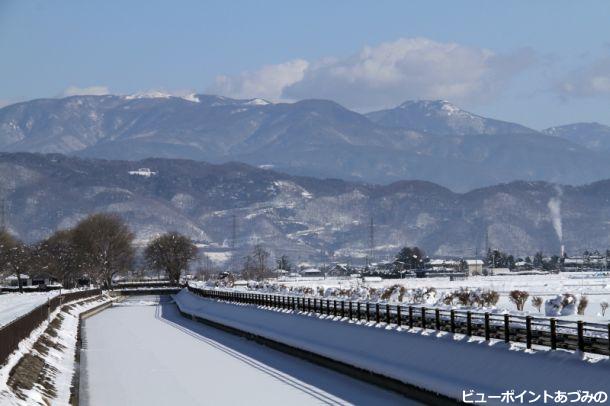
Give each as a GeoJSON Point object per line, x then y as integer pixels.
{"type": "Point", "coordinates": [15, 305]}
{"type": "Point", "coordinates": [595, 286]}
{"type": "Point", "coordinates": [143, 354]}
{"type": "Point", "coordinates": [442, 362]}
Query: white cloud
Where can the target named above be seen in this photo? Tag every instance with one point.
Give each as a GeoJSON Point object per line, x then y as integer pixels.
{"type": "Point", "coordinates": [590, 81]}
{"type": "Point", "coordinates": [385, 75]}
{"type": "Point", "coordinates": [85, 91]}
{"type": "Point", "coordinates": [268, 82]}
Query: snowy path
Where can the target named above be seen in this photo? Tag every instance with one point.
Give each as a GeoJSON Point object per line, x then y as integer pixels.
{"type": "Point", "coordinates": [150, 355]}
{"type": "Point", "coordinates": [15, 305]}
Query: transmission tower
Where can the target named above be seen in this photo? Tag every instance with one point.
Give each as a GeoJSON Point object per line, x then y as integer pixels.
{"type": "Point", "coordinates": [3, 214]}
{"type": "Point", "coordinates": [233, 261]}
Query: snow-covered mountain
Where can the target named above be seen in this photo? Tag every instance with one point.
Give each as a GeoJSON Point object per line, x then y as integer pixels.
{"type": "Point", "coordinates": [442, 117]}
{"type": "Point", "coordinates": [594, 136]}
{"type": "Point", "coordinates": [300, 216]}
{"type": "Point", "coordinates": [310, 137]}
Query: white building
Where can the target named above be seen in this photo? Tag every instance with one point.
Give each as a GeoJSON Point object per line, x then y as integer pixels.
{"type": "Point", "coordinates": [475, 266]}
{"type": "Point", "coordinates": [146, 172]}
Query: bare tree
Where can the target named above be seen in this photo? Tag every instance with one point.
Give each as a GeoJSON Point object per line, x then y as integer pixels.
{"type": "Point", "coordinates": [582, 305]}
{"type": "Point", "coordinates": [519, 298]}
{"type": "Point", "coordinates": [283, 263]}
{"type": "Point", "coordinates": [255, 265]}
{"type": "Point", "coordinates": [104, 243]}
{"type": "Point", "coordinates": [13, 257]}
{"type": "Point", "coordinates": [490, 298]}
{"type": "Point", "coordinates": [61, 259]}
{"type": "Point", "coordinates": [537, 302]}
{"type": "Point", "coordinates": [171, 253]}
{"type": "Point", "coordinates": [604, 307]}
{"type": "Point", "coordinates": [207, 268]}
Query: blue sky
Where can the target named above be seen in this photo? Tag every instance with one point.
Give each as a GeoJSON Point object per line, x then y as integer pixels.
{"type": "Point", "coordinates": [540, 63]}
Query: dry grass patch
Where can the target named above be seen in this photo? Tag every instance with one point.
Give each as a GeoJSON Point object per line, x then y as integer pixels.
{"type": "Point", "coordinates": [32, 370]}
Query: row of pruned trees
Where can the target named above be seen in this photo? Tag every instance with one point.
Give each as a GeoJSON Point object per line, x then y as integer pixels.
{"type": "Point", "coordinates": [98, 248]}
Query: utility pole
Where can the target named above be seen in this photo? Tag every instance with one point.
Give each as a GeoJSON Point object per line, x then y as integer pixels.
{"type": "Point", "coordinates": [486, 241]}
{"type": "Point", "coordinates": [234, 233]}
{"type": "Point", "coordinates": [371, 239]}
{"type": "Point", "coordinates": [233, 261]}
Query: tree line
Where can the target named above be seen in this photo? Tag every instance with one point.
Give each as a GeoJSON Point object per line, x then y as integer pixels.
{"type": "Point", "coordinates": [98, 249]}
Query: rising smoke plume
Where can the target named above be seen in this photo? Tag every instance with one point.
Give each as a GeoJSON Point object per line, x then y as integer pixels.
{"type": "Point", "coordinates": [555, 210]}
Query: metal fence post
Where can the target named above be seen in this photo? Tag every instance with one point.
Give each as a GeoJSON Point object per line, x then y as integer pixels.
{"type": "Point", "coordinates": [388, 317]}
{"type": "Point", "coordinates": [468, 323]}
{"type": "Point", "coordinates": [335, 308]}
{"type": "Point", "coordinates": [368, 313]}
{"type": "Point", "coordinates": [327, 307]}
{"type": "Point", "coordinates": [358, 311]}
{"type": "Point", "coordinates": [528, 331]}
{"type": "Point", "coordinates": [342, 308]}
{"type": "Point", "coordinates": [377, 315]}
{"type": "Point", "coordinates": [398, 315]}
{"type": "Point", "coordinates": [350, 309]}
{"type": "Point", "coordinates": [410, 316]}
{"type": "Point", "coordinates": [437, 319]}
{"type": "Point", "coordinates": [581, 335]}
{"type": "Point", "coordinates": [506, 328]}
{"type": "Point", "coordinates": [423, 317]}
{"type": "Point", "coordinates": [553, 334]}
{"type": "Point", "coordinates": [487, 334]}
{"type": "Point", "coordinates": [452, 317]}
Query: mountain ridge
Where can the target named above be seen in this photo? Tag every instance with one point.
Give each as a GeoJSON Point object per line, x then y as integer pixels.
{"type": "Point", "coordinates": [303, 217]}
{"type": "Point", "coordinates": [317, 138]}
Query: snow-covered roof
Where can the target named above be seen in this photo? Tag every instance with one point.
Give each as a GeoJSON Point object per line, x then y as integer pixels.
{"type": "Point", "coordinates": [310, 270]}
{"type": "Point", "coordinates": [14, 278]}
{"type": "Point", "coordinates": [474, 261]}
{"type": "Point", "coordinates": [499, 271]}
{"type": "Point", "coordinates": [444, 262]}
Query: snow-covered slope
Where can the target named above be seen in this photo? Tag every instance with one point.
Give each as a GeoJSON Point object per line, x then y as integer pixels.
{"type": "Point", "coordinates": [441, 362]}
{"type": "Point", "coordinates": [308, 137]}
{"type": "Point", "coordinates": [300, 216]}
{"type": "Point", "coordinates": [442, 117]}
{"type": "Point", "coordinates": [594, 136]}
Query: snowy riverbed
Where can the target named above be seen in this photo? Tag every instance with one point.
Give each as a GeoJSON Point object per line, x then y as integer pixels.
{"type": "Point", "coordinates": [148, 354]}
